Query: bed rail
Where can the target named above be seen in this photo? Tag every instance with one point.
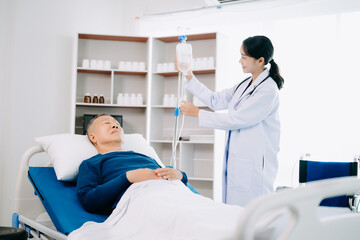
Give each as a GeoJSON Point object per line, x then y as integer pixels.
{"type": "Point", "coordinates": [302, 204]}
{"type": "Point", "coordinates": [25, 201]}
{"type": "Point", "coordinates": [27, 206]}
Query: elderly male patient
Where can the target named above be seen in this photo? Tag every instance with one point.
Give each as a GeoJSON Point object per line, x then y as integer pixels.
{"type": "Point", "coordinates": [104, 178]}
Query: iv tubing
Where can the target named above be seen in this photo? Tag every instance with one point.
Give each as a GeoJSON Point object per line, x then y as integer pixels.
{"type": "Point", "coordinates": [177, 131]}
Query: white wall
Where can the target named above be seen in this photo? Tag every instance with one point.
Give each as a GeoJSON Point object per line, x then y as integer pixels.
{"type": "Point", "coordinates": [35, 72]}
{"type": "Point", "coordinates": [4, 90]}
{"type": "Point", "coordinates": [316, 46]}
{"type": "Point", "coordinates": [319, 101]}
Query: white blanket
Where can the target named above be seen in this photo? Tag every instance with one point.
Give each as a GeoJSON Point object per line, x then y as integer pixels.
{"type": "Point", "coordinates": [160, 209]}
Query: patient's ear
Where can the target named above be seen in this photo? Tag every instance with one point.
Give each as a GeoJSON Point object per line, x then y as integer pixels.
{"type": "Point", "coordinates": [92, 138]}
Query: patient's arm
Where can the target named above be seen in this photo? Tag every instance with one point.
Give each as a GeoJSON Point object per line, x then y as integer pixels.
{"type": "Point", "coordinates": [95, 195]}
{"type": "Point", "coordinates": [141, 174]}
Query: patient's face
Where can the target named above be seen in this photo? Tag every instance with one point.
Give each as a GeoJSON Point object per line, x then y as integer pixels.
{"type": "Point", "coordinates": [107, 130]}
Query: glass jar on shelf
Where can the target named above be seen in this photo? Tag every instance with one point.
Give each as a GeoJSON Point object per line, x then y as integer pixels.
{"type": "Point", "coordinates": [95, 99]}
{"type": "Point", "coordinates": [87, 98]}
{"type": "Point", "coordinates": [101, 98]}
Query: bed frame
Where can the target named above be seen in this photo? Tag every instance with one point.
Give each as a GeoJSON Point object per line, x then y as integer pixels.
{"type": "Point", "coordinates": [29, 212]}
{"type": "Point", "coordinates": [301, 203]}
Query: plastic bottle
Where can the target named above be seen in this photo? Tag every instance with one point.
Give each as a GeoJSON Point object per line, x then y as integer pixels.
{"type": "Point", "coordinates": [133, 99]}
{"type": "Point", "coordinates": [166, 100]}
{"type": "Point", "coordinates": [172, 100]}
{"type": "Point", "coordinates": [184, 55]}
{"type": "Point", "coordinates": [101, 98]}
{"type": "Point", "coordinates": [95, 99]}
{"type": "Point", "coordinates": [126, 99]}
{"type": "Point", "coordinates": [87, 98]}
{"type": "Point", "coordinates": [120, 99]}
{"type": "Point", "coordinates": [139, 99]}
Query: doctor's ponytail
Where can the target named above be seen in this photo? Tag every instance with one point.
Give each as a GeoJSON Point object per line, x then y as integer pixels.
{"type": "Point", "coordinates": [275, 74]}
{"type": "Point", "coordinates": [261, 46]}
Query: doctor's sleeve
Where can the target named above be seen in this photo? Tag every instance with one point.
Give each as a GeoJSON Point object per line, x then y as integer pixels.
{"type": "Point", "coordinates": [214, 100]}
{"type": "Point", "coordinates": [249, 112]}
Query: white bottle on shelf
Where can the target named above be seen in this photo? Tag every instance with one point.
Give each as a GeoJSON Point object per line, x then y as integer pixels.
{"type": "Point", "coordinates": [126, 99]}
{"type": "Point", "coordinates": [107, 64]}
{"type": "Point", "coordinates": [211, 62]}
{"type": "Point", "coordinates": [121, 65]}
{"type": "Point", "coordinates": [166, 67]}
{"type": "Point", "coordinates": [159, 67]}
{"type": "Point", "coordinates": [172, 100]}
{"type": "Point", "coordinates": [85, 63]}
{"type": "Point", "coordinates": [133, 99]}
{"type": "Point", "coordinates": [166, 100]}
{"type": "Point", "coordinates": [142, 66]}
{"type": "Point", "coordinates": [135, 66]}
{"type": "Point", "coordinates": [128, 66]}
{"type": "Point", "coordinates": [139, 99]}
{"type": "Point", "coordinates": [120, 99]}
{"type": "Point", "coordinates": [100, 64]}
{"type": "Point", "coordinates": [93, 63]}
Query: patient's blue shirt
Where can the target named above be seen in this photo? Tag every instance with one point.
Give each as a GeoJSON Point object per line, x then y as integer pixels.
{"type": "Point", "coordinates": [102, 178]}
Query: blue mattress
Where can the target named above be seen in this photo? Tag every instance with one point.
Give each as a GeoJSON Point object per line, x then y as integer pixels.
{"type": "Point", "coordinates": [60, 200]}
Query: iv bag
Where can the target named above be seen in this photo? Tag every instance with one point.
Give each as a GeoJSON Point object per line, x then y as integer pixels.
{"type": "Point", "coordinates": [184, 57]}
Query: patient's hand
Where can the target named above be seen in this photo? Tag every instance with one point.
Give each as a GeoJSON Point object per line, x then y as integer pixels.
{"type": "Point", "coordinates": [141, 174]}
{"type": "Point", "coordinates": [169, 173]}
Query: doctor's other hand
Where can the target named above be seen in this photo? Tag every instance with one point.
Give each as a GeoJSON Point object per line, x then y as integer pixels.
{"type": "Point", "coordinates": [189, 109]}
{"type": "Point", "coordinates": [189, 75]}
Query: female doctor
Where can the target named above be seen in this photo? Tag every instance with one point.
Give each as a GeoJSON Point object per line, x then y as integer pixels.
{"type": "Point", "coordinates": [252, 122]}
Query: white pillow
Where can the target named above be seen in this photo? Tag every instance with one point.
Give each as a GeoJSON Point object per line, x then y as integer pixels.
{"type": "Point", "coordinates": [137, 143]}
{"type": "Point", "coordinates": [67, 151]}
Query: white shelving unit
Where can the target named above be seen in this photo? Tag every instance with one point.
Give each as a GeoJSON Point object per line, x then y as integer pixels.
{"type": "Point", "coordinates": [201, 159]}
{"type": "Point", "coordinates": [110, 82]}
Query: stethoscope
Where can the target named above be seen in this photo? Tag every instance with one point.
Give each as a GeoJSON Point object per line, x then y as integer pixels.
{"type": "Point", "coordinates": [250, 93]}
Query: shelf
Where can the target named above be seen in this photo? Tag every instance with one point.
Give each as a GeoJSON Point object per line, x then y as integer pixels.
{"type": "Point", "coordinates": [163, 106]}
{"type": "Point", "coordinates": [130, 72]}
{"type": "Point", "coordinates": [108, 71]}
{"type": "Point", "coordinates": [108, 105]}
{"type": "Point", "coordinates": [205, 71]}
{"type": "Point", "coordinates": [173, 107]}
{"type": "Point", "coordinates": [161, 141]}
{"type": "Point", "coordinates": [198, 142]}
{"type": "Point", "coordinates": [113, 38]}
{"type": "Point", "coordinates": [97, 71]}
{"type": "Point", "coordinates": [189, 37]}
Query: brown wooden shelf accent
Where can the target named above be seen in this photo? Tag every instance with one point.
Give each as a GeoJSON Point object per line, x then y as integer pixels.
{"type": "Point", "coordinates": [129, 73]}
{"type": "Point", "coordinates": [209, 71]}
{"type": "Point", "coordinates": [189, 37]}
{"type": "Point", "coordinates": [98, 71]}
{"type": "Point", "coordinates": [112, 38]}
{"type": "Point", "coordinates": [94, 71]}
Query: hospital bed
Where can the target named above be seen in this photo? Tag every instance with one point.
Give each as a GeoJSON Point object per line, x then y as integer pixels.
{"type": "Point", "coordinates": [55, 211]}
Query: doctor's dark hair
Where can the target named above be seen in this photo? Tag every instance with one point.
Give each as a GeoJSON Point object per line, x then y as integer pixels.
{"type": "Point", "coordinates": [261, 46]}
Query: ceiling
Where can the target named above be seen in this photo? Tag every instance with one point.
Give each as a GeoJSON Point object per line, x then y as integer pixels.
{"type": "Point", "coordinates": [158, 7]}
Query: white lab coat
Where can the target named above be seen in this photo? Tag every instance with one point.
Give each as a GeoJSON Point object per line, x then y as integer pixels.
{"type": "Point", "coordinates": [252, 135]}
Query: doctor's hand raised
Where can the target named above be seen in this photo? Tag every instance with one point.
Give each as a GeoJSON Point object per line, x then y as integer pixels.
{"type": "Point", "coordinates": [189, 109]}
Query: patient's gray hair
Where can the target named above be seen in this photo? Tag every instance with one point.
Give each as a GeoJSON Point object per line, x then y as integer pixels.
{"type": "Point", "coordinates": [90, 127]}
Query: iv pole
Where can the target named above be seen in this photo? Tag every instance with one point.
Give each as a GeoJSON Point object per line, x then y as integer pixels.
{"type": "Point", "coordinates": [180, 94]}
